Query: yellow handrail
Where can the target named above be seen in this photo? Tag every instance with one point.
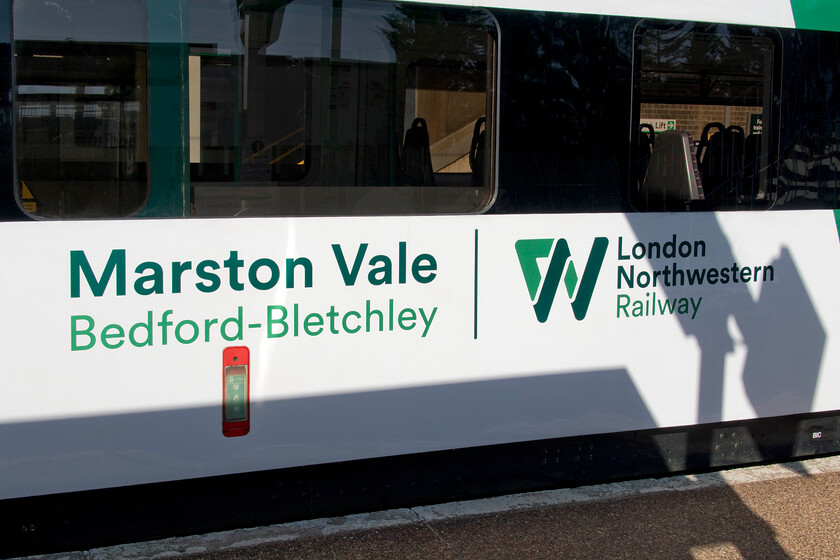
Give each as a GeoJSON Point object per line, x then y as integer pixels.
{"type": "Point", "coordinates": [289, 135]}
{"type": "Point", "coordinates": [281, 156]}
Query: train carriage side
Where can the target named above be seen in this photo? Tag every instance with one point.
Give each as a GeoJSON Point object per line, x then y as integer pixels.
{"type": "Point", "coordinates": [270, 260]}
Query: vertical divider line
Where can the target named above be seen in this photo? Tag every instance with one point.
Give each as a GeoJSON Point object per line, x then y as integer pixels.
{"type": "Point", "coordinates": [475, 290]}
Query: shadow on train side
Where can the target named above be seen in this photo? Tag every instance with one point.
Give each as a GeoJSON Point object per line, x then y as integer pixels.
{"type": "Point", "coordinates": [123, 450]}
{"type": "Point", "coordinates": [83, 453]}
{"type": "Point", "coordinates": [108, 451]}
{"type": "Point", "coordinates": [781, 368]}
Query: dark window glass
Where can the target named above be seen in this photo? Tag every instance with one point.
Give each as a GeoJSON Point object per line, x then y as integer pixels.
{"type": "Point", "coordinates": [80, 98]}
{"type": "Point", "coordinates": [710, 92]}
{"type": "Point", "coordinates": [316, 107]}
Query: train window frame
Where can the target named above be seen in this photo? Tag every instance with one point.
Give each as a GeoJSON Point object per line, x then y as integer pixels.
{"type": "Point", "coordinates": [108, 92]}
{"type": "Point", "coordinates": [707, 184]}
{"type": "Point", "coordinates": [337, 61]}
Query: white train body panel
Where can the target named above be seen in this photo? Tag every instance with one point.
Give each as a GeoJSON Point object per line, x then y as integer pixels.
{"type": "Point", "coordinates": [427, 341]}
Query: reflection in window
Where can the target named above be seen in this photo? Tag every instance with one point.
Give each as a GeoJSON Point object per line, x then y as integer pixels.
{"type": "Point", "coordinates": [320, 108]}
{"type": "Point", "coordinates": [80, 94]}
{"type": "Point", "coordinates": [717, 85]}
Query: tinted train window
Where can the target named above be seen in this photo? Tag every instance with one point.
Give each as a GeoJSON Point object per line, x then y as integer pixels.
{"type": "Point", "coordinates": [706, 104]}
{"type": "Point", "coordinates": [315, 107]}
{"type": "Point", "coordinates": [80, 98]}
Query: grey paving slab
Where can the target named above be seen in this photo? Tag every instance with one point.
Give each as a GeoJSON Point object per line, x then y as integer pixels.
{"type": "Point", "coordinates": [410, 542]}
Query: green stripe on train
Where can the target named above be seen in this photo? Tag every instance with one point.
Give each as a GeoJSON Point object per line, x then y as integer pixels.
{"type": "Point", "coordinates": [837, 220]}
{"type": "Point", "coordinates": [816, 14]}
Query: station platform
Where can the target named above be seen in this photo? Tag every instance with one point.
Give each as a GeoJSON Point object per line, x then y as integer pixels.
{"type": "Point", "coordinates": [784, 511]}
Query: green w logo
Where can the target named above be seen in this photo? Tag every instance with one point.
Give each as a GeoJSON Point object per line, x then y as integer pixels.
{"type": "Point", "coordinates": [542, 291]}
